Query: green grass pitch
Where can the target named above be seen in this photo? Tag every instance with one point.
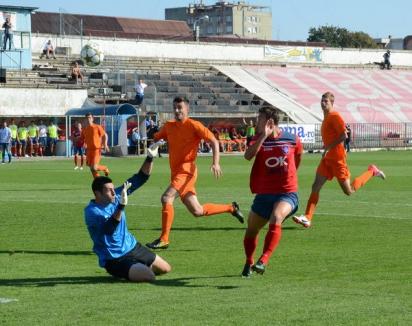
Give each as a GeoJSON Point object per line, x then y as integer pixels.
{"type": "Point", "coordinates": [353, 267]}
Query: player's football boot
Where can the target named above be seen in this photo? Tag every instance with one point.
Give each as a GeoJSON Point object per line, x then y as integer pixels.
{"type": "Point", "coordinates": [376, 172]}
{"type": "Point", "coordinates": [247, 271]}
{"type": "Point", "coordinates": [259, 267]}
{"type": "Point", "coordinates": [302, 220]}
{"type": "Point", "coordinates": [153, 150]}
{"type": "Point", "coordinates": [106, 172]}
{"type": "Point", "coordinates": [237, 213]}
{"type": "Point", "coordinates": [158, 244]}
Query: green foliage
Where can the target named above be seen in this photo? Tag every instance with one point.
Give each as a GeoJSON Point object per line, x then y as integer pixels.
{"type": "Point", "coordinates": [340, 37]}
{"type": "Point", "coordinates": [351, 268]}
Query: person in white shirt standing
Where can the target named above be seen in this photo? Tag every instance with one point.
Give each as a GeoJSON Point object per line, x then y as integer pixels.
{"type": "Point", "coordinates": [140, 86]}
{"type": "Point", "coordinates": [5, 139]}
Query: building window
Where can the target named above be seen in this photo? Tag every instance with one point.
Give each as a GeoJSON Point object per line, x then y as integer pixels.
{"type": "Point", "coordinates": [229, 29]}
{"type": "Point", "coordinates": [249, 30]}
{"type": "Point", "coordinates": [228, 19]}
{"type": "Point", "coordinates": [210, 29]}
{"type": "Point", "coordinates": [190, 20]}
{"type": "Point", "coordinates": [248, 19]}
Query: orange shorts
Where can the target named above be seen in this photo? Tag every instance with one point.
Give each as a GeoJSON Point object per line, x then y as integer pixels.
{"type": "Point", "coordinates": [93, 157]}
{"type": "Point", "coordinates": [184, 183]}
{"type": "Point", "coordinates": [333, 168]}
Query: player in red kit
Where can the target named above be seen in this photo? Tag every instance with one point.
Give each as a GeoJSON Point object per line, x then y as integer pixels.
{"type": "Point", "coordinates": [78, 146]}
{"type": "Point", "coordinates": [274, 181]}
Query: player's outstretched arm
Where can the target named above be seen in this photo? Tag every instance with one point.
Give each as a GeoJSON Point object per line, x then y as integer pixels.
{"type": "Point", "coordinates": [215, 168]}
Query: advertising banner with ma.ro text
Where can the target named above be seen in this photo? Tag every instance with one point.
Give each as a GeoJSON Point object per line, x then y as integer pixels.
{"type": "Point", "coordinates": [306, 133]}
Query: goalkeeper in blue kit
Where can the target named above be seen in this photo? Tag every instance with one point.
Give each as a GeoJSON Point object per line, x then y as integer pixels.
{"type": "Point", "coordinates": [117, 249]}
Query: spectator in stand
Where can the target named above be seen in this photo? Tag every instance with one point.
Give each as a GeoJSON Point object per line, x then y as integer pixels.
{"type": "Point", "coordinates": [236, 139]}
{"type": "Point", "coordinates": [76, 73]}
{"type": "Point", "coordinates": [140, 86]}
{"type": "Point", "coordinates": [42, 137]}
{"type": "Point", "coordinates": [5, 140]}
{"type": "Point", "coordinates": [7, 33]}
{"type": "Point", "coordinates": [22, 135]}
{"type": "Point", "coordinates": [348, 133]}
{"type": "Point", "coordinates": [13, 127]}
{"type": "Point", "coordinates": [387, 62]}
{"type": "Point", "coordinates": [48, 50]}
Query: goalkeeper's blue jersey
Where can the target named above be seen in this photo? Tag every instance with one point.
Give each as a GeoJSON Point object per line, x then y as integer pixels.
{"type": "Point", "coordinates": [121, 241]}
{"type": "Point", "coordinates": [108, 246]}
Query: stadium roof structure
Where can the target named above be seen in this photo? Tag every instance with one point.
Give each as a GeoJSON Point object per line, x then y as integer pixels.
{"type": "Point", "coordinates": [5, 7]}
{"type": "Point", "coordinates": [133, 28]}
{"type": "Point", "coordinates": [56, 23]}
{"type": "Point", "coordinates": [108, 110]}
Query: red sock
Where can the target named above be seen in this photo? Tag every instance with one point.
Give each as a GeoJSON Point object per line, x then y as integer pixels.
{"type": "Point", "coordinates": [212, 209]}
{"type": "Point", "coordinates": [81, 160]}
{"type": "Point", "coordinates": [271, 241]}
{"type": "Point", "coordinates": [250, 245]}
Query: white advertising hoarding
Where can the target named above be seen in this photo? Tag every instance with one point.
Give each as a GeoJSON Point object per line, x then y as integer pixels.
{"type": "Point", "coordinates": [306, 133]}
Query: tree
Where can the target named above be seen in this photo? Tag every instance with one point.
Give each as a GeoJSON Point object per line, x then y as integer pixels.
{"type": "Point", "coordinates": [340, 37]}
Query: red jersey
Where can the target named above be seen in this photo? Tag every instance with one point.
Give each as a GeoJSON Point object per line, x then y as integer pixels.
{"type": "Point", "coordinates": [274, 170]}
{"type": "Point", "coordinates": [77, 140]}
{"type": "Point", "coordinates": [183, 139]}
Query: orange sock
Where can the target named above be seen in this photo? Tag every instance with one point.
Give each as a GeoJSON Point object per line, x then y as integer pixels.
{"type": "Point", "coordinates": [104, 169]}
{"type": "Point", "coordinates": [311, 205]}
{"type": "Point", "coordinates": [360, 181]}
{"type": "Point", "coordinates": [95, 174]}
{"type": "Point", "coordinates": [212, 209]}
{"type": "Point", "coordinates": [168, 214]}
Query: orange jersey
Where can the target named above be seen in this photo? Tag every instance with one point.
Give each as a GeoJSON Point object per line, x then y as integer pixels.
{"type": "Point", "coordinates": [92, 136]}
{"type": "Point", "coordinates": [332, 128]}
{"type": "Point", "coordinates": [183, 139]}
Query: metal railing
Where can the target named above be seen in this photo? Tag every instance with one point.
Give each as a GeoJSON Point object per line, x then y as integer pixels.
{"type": "Point", "coordinates": [372, 135]}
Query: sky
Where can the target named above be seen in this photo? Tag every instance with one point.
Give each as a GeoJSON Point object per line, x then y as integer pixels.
{"type": "Point", "coordinates": [291, 19]}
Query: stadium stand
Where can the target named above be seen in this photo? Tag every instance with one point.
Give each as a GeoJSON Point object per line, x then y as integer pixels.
{"type": "Point", "coordinates": [363, 95]}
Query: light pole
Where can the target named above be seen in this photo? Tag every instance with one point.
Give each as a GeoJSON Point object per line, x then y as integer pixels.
{"type": "Point", "coordinates": [196, 29]}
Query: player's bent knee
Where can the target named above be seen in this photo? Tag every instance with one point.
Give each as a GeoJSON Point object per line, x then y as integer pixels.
{"type": "Point", "coordinates": [160, 266]}
{"type": "Point", "coordinates": [198, 212]}
{"type": "Point", "coordinates": [141, 273]}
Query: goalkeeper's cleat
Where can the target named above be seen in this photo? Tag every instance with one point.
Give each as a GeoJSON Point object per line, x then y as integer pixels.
{"type": "Point", "coordinates": [153, 150]}
{"type": "Point", "coordinates": [376, 172]}
{"type": "Point", "coordinates": [302, 220]}
{"type": "Point", "coordinates": [247, 271]}
{"type": "Point", "coordinates": [158, 244]}
{"type": "Point", "coordinates": [237, 213]}
{"type": "Point", "coordinates": [106, 172]}
{"type": "Point", "coordinates": [259, 267]}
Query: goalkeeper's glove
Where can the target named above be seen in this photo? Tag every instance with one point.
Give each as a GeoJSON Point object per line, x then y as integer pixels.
{"type": "Point", "coordinates": [123, 195]}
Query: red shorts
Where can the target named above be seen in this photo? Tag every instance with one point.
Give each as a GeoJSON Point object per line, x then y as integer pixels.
{"type": "Point", "coordinates": [333, 168]}
{"type": "Point", "coordinates": [184, 183]}
{"type": "Point", "coordinates": [93, 156]}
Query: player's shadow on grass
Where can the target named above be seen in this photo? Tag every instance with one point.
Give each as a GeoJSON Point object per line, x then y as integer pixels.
{"type": "Point", "coordinates": [53, 281]}
{"type": "Point", "coordinates": [48, 252]}
{"type": "Point", "coordinates": [76, 280]}
{"type": "Point", "coordinates": [185, 282]}
{"type": "Point", "coordinates": [200, 228]}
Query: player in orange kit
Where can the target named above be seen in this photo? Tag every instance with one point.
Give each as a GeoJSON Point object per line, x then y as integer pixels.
{"type": "Point", "coordinates": [333, 162]}
{"type": "Point", "coordinates": [94, 138]}
{"type": "Point", "coordinates": [183, 136]}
